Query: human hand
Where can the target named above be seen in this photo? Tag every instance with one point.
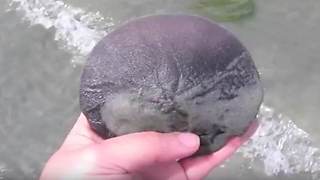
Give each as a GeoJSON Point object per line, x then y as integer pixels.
{"type": "Point", "coordinates": [145, 155]}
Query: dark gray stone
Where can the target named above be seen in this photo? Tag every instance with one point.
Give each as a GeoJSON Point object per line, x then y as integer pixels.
{"type": "Point", "coordinates": [171, 73]}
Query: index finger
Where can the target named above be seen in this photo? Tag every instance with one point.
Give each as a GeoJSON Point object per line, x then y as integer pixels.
{"type": "Point", "coordinates": [80, 135]}
{"type": "Point", "coordinates": [199, 167]}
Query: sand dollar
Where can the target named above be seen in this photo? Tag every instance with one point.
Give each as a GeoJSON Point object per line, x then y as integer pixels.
{"type": "Point", "coordinates": [170, 73]}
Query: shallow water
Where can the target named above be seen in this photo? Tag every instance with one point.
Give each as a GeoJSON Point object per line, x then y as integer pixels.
{"type": "Point", "coordinates": [41, 60]}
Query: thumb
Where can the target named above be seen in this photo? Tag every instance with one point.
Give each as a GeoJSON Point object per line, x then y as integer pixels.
{"type": "Point", "coordinates": [135, 151]}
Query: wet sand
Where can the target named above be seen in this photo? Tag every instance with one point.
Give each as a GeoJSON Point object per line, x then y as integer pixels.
{"type": "Point", "coordinates": [39, 84]}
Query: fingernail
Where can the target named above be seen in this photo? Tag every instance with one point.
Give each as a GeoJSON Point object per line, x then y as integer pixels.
{"type": "Point", "coordinates": [189, 139]}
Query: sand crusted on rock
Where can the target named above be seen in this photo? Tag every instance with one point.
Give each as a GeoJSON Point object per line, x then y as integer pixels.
{"type": "Point", "coordinates": [171, 73]}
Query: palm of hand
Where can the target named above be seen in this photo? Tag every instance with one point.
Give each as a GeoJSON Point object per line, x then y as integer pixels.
{"type": "Point", "coordinates": [149, 155]}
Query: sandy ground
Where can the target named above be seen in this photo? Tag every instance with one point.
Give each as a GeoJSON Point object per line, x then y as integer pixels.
{"type": "Point", "coordinates": [39, 84]}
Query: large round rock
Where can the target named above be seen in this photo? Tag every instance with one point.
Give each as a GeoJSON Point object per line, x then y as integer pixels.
{"type": "Point", "coordinates": [171, 73]}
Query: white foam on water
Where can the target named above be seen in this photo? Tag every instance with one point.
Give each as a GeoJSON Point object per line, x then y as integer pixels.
{"type": "Point", "coordinates": [3, 169]}
{"type": "Point", "coordinates": [76, 30]}
{"type": "Point", "coordinates": [279, 144]}
{"type": "Point", "coordinates": [282, 146]}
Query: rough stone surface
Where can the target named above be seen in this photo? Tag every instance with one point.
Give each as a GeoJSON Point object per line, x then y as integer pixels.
{"type": "Point", "coordinates": [171, 73]}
